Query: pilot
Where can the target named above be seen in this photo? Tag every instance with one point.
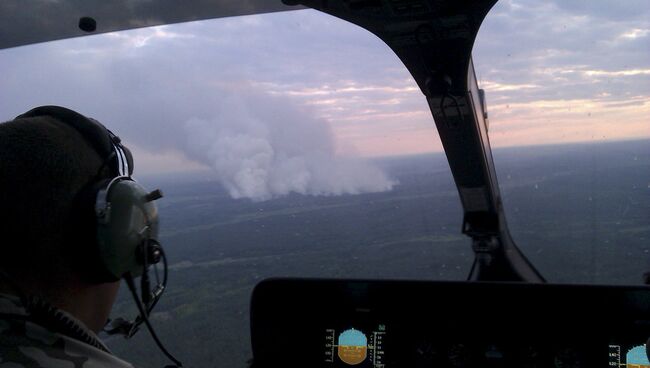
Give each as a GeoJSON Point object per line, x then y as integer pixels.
{"type": "Point", "coordinates": [54, 294]}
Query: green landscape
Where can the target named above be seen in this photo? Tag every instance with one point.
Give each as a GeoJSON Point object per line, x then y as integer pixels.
{"type": "Point", "coordinates": [580, 213]}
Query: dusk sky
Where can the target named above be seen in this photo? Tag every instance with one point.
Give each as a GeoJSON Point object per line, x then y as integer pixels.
{"type": "Point", "coordinates": [554, 72]}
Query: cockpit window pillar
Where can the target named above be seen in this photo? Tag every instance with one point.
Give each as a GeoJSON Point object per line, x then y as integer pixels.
{"type": "Point", "coordinates": [434, 41]}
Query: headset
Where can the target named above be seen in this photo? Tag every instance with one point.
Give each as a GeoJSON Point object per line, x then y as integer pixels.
{"type": "Point", "coordinates": [114, 222]}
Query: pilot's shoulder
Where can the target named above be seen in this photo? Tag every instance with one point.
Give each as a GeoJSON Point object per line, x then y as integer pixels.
{"type": "Point", "coordinates": [24, 344]}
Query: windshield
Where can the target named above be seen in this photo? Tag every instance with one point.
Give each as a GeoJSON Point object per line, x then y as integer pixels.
{"type": "Point", "coordinates": [297, 144]}
{"type": "Point", "coordinates": [571, 83]}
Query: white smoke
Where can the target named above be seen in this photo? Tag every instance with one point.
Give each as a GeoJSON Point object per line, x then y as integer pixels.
{"type": "Point", "coordinates": [262, 147]}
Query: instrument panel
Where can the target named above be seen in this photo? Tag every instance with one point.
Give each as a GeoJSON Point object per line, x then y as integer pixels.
{"type": "Point", "coordinates": [384, 324]}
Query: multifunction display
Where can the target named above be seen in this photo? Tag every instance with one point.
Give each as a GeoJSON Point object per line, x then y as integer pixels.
{"type": "Point", "coordinates": [353, 346]}
{"type": "Point", "coordinates": [628, 356]}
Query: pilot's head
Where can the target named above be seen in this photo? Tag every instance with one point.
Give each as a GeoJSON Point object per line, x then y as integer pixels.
{"type": "Point", "coordinates": [50, 158]}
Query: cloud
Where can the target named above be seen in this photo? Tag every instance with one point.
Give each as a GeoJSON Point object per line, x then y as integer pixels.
{"type": "Point", "coordinates": [563, 71]}
{"type": "Point", "coordinates": [498, 87]}
{"type": "Point", "coordinates": [194, 91]}
{"type": "Point", "coordinates": [628, 10]}
{"type": "Point", "coordinates": [635, 33]}
{"type": "Point", "coordinates": [617, 73]}
{"type": "Point", "coordinates": [529, 55]}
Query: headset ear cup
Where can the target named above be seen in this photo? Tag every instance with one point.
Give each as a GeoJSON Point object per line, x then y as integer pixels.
{"type": "Point", "coordinates": [129, 221]}
{"type": "Point", "coordinates": [109, 224]}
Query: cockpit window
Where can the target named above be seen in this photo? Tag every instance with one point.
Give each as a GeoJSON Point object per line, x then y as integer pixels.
{"type": "Point", "coordinates": [286, 144]}
{"type": "Point", "coordinates": [570, 83]}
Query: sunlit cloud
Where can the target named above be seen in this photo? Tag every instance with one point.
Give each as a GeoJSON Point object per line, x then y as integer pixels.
{"type": "Point", "coordinates": [498, 87]}
{"type": "Point", "coordinates": [143, 37]}
{"type": "Point", "coordinates": [617, 73]}
{"type": "Point", "coordinates": [572, 106]}
{"type": "Point", "coordinates": [342, 87]}
{"type": "Point", "coordinates": [635, 33]}
{"type": "Point", "coordinates": [563, 121]}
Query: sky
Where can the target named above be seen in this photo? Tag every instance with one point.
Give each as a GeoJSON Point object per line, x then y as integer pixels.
{"type": "Point", "coordinates": [310, 96]}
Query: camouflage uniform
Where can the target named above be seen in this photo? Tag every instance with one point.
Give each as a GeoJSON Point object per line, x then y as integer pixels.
{"type": "Point", "coordinates": [26, 344]}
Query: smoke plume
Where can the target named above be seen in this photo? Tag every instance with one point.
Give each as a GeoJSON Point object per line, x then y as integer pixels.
{"type": "Point", "coordinates": [261, 147]}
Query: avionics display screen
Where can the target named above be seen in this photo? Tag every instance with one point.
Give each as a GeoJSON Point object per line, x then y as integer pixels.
{"type": "Point", "coordinates": [351, 345]}
{"type": "Point", "coordinates": [386, 324]}
{"type": "Point", "coordinates": [629, 355]}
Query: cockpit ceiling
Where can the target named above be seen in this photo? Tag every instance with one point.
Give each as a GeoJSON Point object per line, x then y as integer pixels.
{"type": "Point", "coordinates": [24, 22]}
